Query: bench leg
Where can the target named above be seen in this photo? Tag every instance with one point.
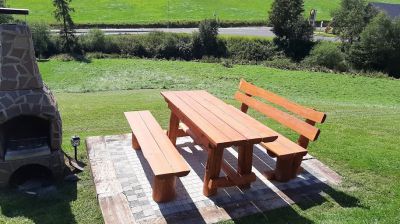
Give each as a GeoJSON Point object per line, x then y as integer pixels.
{"type": "Point", "coordinates": [297, 165]}
{"type": "Point", "coordinates": [135, 143]}
{"type": "Point", "coordinates": [164, 189]}
{"type": "Point", "coordinates": [245, 161]}
{"type": "Point", "coordinates": [213, 168]}
{"type": "Point", "coordinates": [283, 170]}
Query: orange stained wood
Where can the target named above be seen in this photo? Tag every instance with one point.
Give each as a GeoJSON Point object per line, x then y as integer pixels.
{"type": "Point", "coordinates": [215, 119]}
{"type": "Point", "coordinates": [161, 154]}
{"type": "Point", "coordinates": [288, 120]}
{"type": "Point", "coordinates": [240, 117]}
{"type": "Point", "coordinates": [284, 147]}
{"type": "Point", "coordinates": [305, 112]}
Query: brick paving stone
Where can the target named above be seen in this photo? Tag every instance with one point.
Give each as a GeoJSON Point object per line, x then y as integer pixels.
{"type": "Point", "coordinates": [135, 177]}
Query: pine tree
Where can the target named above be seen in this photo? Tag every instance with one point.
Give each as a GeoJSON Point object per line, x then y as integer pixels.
{"type": "Point", "coordinates": [62, 14]}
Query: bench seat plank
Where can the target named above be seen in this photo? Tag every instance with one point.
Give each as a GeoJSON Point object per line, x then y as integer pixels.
{"type": "Point", "coordinates": [283, 146]}
{"type": "Point", "coordinates": [161, 154]}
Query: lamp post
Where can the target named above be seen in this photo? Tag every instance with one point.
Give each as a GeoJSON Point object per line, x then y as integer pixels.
{"type": "Point", "coordinates": [75, 142]}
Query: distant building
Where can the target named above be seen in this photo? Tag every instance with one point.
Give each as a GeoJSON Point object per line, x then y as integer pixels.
{"type": "Point", "coordinates": [392, 10]}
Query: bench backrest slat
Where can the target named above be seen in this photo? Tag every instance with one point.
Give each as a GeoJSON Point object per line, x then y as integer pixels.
{"type": "Point", "coordinates": [288, 120]}
{"type": "Point", "coordinates": [302, 111]}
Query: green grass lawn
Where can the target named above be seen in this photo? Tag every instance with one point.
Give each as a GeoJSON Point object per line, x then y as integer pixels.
{"type": "Point", "coordinates": [359, 139]}
{"type": "Point", "coordinates": [156, 11]}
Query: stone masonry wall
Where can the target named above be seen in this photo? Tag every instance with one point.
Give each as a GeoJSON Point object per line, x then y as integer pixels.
{"type": "Point", "coordinates": [17, 59]}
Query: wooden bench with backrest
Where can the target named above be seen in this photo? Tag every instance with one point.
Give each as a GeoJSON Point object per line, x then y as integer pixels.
{"type": "Point", "coordinates": [164, 159]}
{"type": "Point", "coordinates": [288, 153]}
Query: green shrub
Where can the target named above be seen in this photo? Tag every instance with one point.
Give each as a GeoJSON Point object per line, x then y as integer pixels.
{"type": "Point", "coordinates": [153, 45]}
{"type": "Point", "coordinates": [94, 41]}
{"type": "Point", "coordinates": [295, 49]}
{"type": "Point", "coordinates": [282, 62]}
{"type": "Point", "coordinates": [197, 46]}
{"type": "Point", "coordinates": [132, 45]}
{"type": "Point", "coordinates": [244, 49]}
{"type": "Point", "coordinates": [185, 48]}
{"type": "Point", "coordinates": [326, 54]}
{"type": "Point", "coordinates": [379, 47]}
{"type": "Point", "coordinates": [41, 38]}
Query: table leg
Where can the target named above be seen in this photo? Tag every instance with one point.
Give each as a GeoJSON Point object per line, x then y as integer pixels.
{"type": "Point", "coordinates": [245, 161]}
{"type": "Point", "coordinates": [173, 128]}
{"type": "Point", "coordinates": [213, 168]}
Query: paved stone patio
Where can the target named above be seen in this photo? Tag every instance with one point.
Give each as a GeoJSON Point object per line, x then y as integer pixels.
{"type": "Point", "coordinates": [119, 170]}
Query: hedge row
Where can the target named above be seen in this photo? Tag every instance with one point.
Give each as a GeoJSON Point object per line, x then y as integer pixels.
{"type": "Point", "coordinates": [206, 45]}
{"type": "Point", "coordinates": [163, 45]}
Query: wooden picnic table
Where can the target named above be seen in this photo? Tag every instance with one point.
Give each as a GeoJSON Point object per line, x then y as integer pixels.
{"type": "Point", "coordinates": [216, 125]}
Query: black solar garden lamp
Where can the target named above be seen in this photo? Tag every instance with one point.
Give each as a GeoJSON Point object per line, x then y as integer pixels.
{"type": "Point", "coordinates": [75, 142]}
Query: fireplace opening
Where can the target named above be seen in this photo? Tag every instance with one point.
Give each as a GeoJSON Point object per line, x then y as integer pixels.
{"type": "Point", "coordinates": [26, 136]}
{"type": "Point", "coordinates": [31, 177]}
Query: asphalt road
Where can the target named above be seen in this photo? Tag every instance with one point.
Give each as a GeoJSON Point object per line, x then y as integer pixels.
{"type": "Point", "coordinates": [238, 31]}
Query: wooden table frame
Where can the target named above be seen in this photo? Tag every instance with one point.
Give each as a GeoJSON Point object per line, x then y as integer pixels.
{"type": "Point", "coordinates": [243, 176]}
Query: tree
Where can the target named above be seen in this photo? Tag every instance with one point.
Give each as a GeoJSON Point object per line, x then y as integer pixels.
{"type": "Point", "coordinates": [378, 47]}
{"type": "Point", "coordinates": [293, 31]}
{"type": "Point", "coordinates": [4, 18]}
{"type": "Point", "coordinates": [351, 19]}
{"type": "Point", "coordinates": [62, 14]}
{"type": "Point", "coordinates": [206, 42]}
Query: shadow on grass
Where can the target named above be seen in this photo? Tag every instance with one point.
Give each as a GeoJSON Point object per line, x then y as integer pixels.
{"type": "Point", "coordinates": [280, 215]}
{"type": "Point", "coordinates": [304, 202]}
{"type": "Point", "coordinates": [53, 207]}
{"type": "Point", "coordinates": [73, 57]}
{"type": "Point", "coordinates": [81, 58]}
{"type": "Point", "coordinates": [317, 198]}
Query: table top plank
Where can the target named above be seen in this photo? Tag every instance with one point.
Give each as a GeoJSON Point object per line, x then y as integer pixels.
{"type": "Point", "coordinates": [204, 111]}
{"type": "Point", "coordinates": [221, 123]}
{"type": "Point", "coordinates": [229, 118]}
{"type": "Point", "coordinates": [268, 134]}
{"type": "Point", "coordinates": [212, 133]}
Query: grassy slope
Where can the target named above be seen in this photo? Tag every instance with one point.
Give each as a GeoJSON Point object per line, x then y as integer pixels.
{"type": "Point", "coordinates": [359, 139]}
{"type": "Point", "coordinates": [144, 11]}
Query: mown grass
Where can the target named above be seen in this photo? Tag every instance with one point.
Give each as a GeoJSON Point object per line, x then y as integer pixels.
{"type": "Point", "coordinates": [156, 11]}
{"type": "Point", "coordinates": [359, 139]}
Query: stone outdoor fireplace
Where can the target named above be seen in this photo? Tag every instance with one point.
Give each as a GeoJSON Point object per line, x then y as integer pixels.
{"type": "Point", "coordinates": [30, 124]}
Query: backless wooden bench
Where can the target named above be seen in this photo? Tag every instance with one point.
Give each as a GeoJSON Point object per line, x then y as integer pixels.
{"type": "Point", "coordinates": [162, 156]}
{"type": "Point", "coordinates": [289, 154]}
